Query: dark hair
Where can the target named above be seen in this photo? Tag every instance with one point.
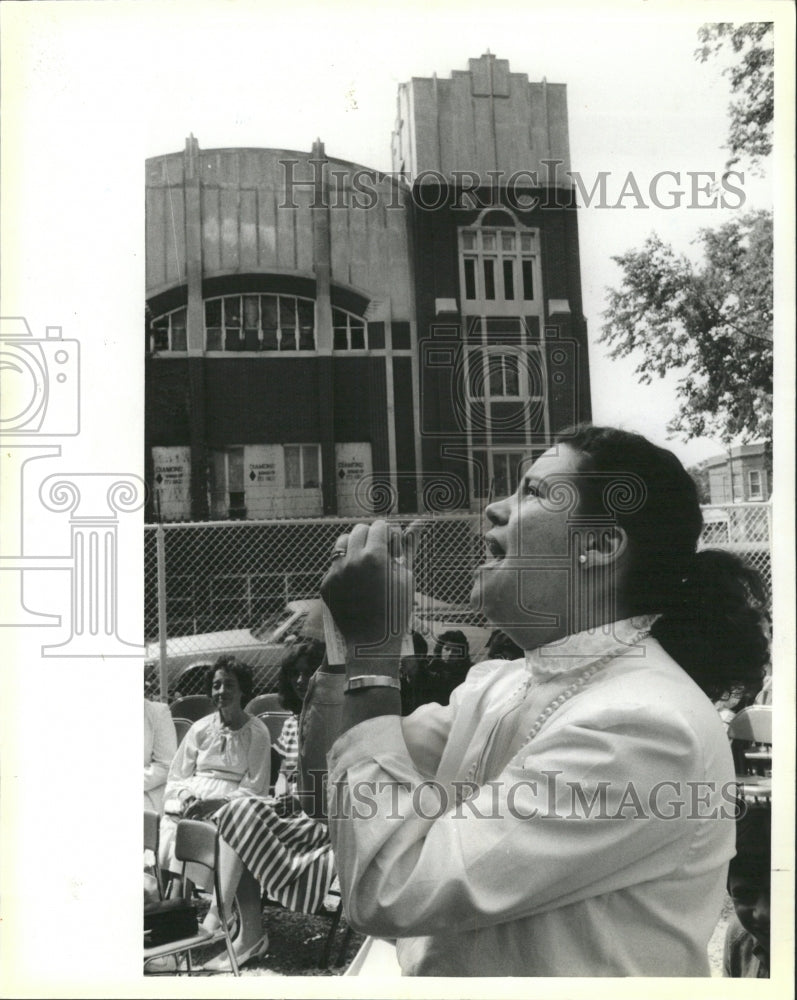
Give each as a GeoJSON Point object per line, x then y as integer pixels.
{"type": "Point", "coordinates": [753, 843]}
{"type": "Point", "coordinates": [456, 639]}
{"type": "Point", "coordinates": [710, 603]}
{"type": "Point", "coordinates": [242, 672]}
{"type": "Point", "coordinates": [501, 647]}
{"type": "Point", "coordinates": [310, 649]}
{"type": "Point", "coordinates": [419, 645]}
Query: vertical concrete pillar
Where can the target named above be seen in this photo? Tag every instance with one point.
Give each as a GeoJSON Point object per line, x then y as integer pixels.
{"type": "Point", "coordinates": [195, 329]}
{"type": "Point", "coordinates": [322, 268]}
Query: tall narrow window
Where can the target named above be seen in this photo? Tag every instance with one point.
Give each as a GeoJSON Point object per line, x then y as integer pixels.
{"type": "Point", "coordinates": [287, 323]}
{"type": "Point", "coordinates": [528, 280]}
{"type": "Point", "coordinates": [233, 334]}
{"type": "Point", "coordinates": [509, 279]}
{"type": "Point", "coordinates": [251, 323]}
{"type": "Point", "coordinates": [227, 482]}
{"type": "Point", "coordinates": [470, 278]}
{"type": "Point", "coordinates": [489, 278]}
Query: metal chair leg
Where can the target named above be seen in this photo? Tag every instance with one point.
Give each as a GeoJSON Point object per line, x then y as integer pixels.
{"type": "Point", "coordinates": [342, 950]}
{"type": "Point", "coordinates": [331, 937]}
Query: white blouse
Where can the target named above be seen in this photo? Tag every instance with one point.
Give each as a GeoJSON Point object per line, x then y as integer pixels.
{"type": "Point", "coordinates": [160, 745]}
{"type": "Point", "coordinates": [214, 760]}
{"type": "Point", "coordinates": [567, 819]}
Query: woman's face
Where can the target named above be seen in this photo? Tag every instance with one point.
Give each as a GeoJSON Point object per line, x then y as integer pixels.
{"type": "Point", "coordinates": [226, 692]}
{"type": "Point", "coordinates": [300, 677]}
{"type": "Point", "coordinates": [751, 901]}
{"type": "Point", "coordinates": [449, 653]}
{"type": "Point", "coordinates": [526, 585]}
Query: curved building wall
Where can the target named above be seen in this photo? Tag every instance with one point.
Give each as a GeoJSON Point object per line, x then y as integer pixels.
{"type": "Point", "coordinates": [278, 295]}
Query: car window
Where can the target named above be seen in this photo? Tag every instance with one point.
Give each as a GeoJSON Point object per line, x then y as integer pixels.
{"type": "Point", "coordinates": [272, 623]}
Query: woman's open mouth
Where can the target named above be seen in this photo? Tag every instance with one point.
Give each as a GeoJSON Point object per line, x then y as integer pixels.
{"type": "Point", "coordinates": [495, 551]}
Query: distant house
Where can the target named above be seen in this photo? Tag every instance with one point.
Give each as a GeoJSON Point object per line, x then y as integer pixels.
{"type": "Point", "coordinates": [739, 475]}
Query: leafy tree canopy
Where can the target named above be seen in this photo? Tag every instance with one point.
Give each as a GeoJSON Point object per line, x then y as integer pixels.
{"type": "Point", "coordinates": [752, 78]}
{"type": "Point", "coordinates": [712, 321]}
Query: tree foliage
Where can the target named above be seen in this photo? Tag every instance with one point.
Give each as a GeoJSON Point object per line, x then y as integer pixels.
{"type": "Point", "coordinates": [699, 474]}
{"type": "Point", "coordinates": [712, 322]}
{"type": "Point", "coordinates": [752, 78]}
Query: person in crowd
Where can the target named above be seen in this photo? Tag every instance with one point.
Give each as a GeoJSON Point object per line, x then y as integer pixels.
{"type": "Point", "coordinates": [746, 953]}
{"type": "Point", "coordinates": [160, 746]}
{"type": "Point", "coordinates": [501, 647]}
{"type": "Point", "coordinates": [446, 670]}
{"type": "Point", "coordinates": [299, 665]}
{"type": "Point", "coordinates": [410, 669]}
{"type": "Point", "coordinates": [280, 847]}
{"type": "Point", "coordinates": [224, 757]}
{"type": "Point", "coordinates": [545, 823]}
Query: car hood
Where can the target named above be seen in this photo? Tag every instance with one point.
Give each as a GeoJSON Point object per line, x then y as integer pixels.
{"type": "Point", "coordinates": [210, 642]}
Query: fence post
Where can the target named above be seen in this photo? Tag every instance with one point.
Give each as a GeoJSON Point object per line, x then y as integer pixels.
{"type": "Point", "coordinates": [160, 548]}
{"type": "Point", "coordinates": [769, 525]}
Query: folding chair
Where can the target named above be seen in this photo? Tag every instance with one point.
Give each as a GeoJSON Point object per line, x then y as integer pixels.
{"type": "Point", "coordinates": [181, 727]}
{"type": "Point", "coordinates": [152, 828]}
{"type": "Point", "coordinates": [265, 703]}
{"type": "Point", "coordinates": [197, 842]}
{"type": "Point", "coordinates": [275, 721]}
{"type": "Point", "coordinates": [325, 954]}
{"type": "Point", "coordinates": [750, 733]}
{"type": "Point", "coordinates": [193, 707]}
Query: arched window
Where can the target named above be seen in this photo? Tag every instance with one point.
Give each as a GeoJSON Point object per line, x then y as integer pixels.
{"type": "Point", "coordinates": [168, 332]}
{"type": "Point", "coordinates": [259, 323]}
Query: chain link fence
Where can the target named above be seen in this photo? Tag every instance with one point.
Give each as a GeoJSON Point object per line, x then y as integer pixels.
{"type": "Point", "coordinates": [243, 587]}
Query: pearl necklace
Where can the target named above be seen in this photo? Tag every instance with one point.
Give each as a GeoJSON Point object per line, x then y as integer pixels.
{"type": "Point", "coordinates": [581, 679]}
{"type": "Point", "coordinates": [579, 683]}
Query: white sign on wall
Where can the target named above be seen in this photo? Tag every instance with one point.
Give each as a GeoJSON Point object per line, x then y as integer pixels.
{"type": "Point", "coordinates": [172, 479]}
{"type": "Point", "coordinates": [353, 464]}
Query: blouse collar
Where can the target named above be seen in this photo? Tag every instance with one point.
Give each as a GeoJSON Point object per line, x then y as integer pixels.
{"type": "Point", "coordinates": [574, 651]}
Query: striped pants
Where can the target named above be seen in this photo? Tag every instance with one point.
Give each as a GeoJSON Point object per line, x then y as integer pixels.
{"type": "Point", "coordinates": [291, 857]}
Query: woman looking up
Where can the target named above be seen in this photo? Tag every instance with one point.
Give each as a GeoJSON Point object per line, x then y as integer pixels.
{"type": "Point", "coordinates": [570, 813]}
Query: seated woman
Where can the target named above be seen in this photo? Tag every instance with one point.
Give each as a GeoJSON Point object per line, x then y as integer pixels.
{"type": "Point", "coordinates": [570, 813]}
{"type": "Point", "coordinates": [281, 847]}
{"type": "Point", "coordinates": [297, 668]}
{"type": "Point", "coordinates": [224, 757]}
{"type": "Point", "coordinates": [160, 746]}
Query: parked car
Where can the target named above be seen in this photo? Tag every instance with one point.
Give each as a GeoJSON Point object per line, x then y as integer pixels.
{"type": "Point", "coordinates": [263, 648]}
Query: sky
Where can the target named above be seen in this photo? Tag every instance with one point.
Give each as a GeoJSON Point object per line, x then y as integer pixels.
{"type": "Point", "coordinates": [107, 85]}
{"type": "Point", "coordinates": [638, 101]}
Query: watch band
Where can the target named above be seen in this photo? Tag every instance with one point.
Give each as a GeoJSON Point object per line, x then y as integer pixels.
{"type": "Point", "coordinates": [371, 681]}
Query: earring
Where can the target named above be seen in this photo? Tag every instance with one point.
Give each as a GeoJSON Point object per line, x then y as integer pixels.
{"type": "Point", "coordinates": [582, 558]}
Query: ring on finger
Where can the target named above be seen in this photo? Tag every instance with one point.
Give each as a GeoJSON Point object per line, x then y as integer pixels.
{"type": "Point", "coordinates": [338, 554]}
